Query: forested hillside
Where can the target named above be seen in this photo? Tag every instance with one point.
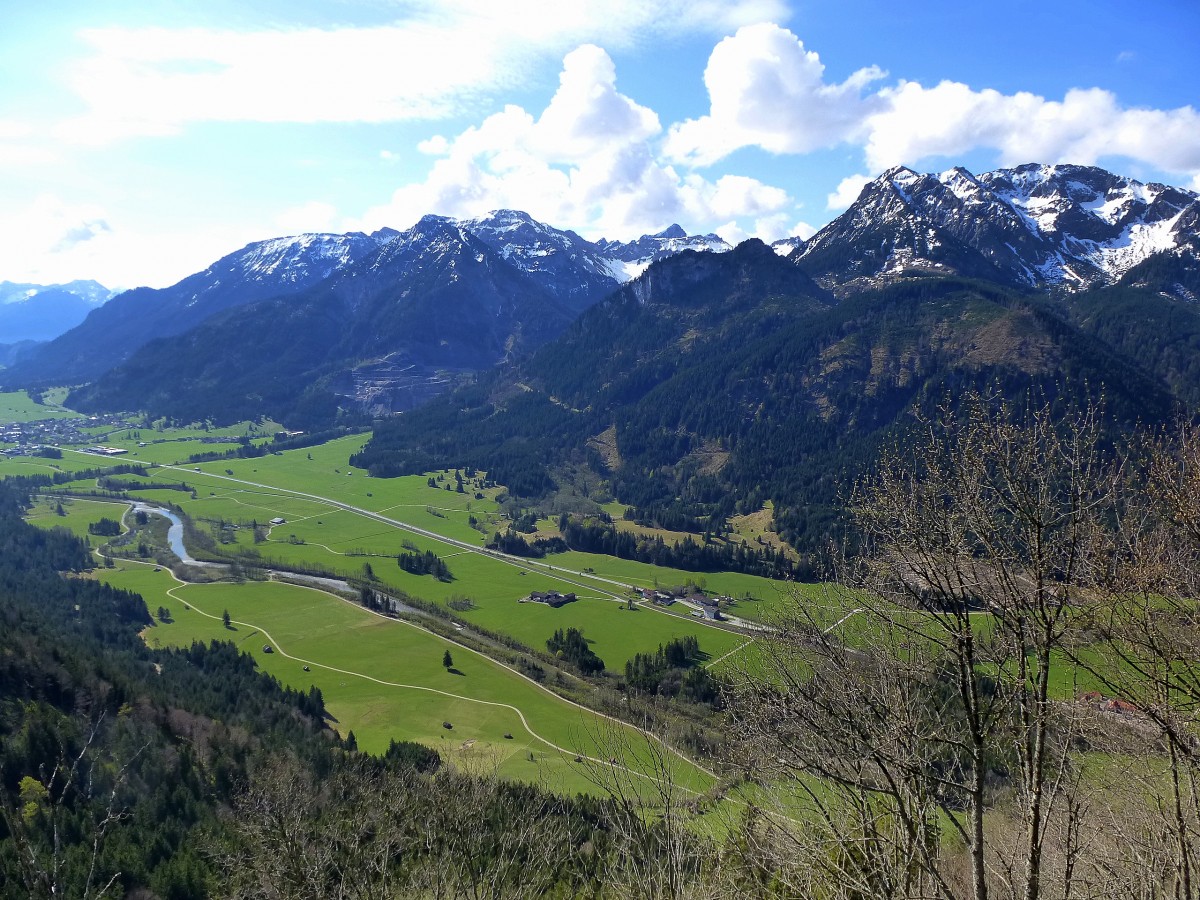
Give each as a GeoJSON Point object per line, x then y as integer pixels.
{"type": "Point", "coordinates": [716, 383]}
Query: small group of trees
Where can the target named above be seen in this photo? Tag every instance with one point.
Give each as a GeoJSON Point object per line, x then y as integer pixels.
{"type": "Point", "coordinates": [594, 535]}
{"type": "Point", "coordinates": [510, 541]}
{"type": "Point", "coordinates": [105, 527]}
{"type": "Point", "coordinates": [673, 671]}
{"type": "Point", "coordinates": [427, 563]}
{"type": "Point", "coordinates": [572, 646]}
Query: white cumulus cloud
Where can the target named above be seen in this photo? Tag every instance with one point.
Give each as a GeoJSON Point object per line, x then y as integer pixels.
{"type": "Point", "coordinates": [53, 241]}
{"type": "Point", "coordinates": [951, 119]}
{"type": "Point", "coordinates": [847, 191]}
{"type": "Point", "coordinates": [767, 91]}
{"type": "Point", "coordinates": [588, 162]}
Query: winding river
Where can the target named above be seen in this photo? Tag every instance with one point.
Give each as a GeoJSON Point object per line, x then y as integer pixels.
{"type": "Point", "coordinates": [175, 541]}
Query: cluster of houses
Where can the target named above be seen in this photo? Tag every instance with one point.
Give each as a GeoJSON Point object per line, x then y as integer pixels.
{"type": "Point", "coordinates": [550, 598]}
{"type": "Point", "coordinates": [30, 437]}
{"type": "Point", "coordinates": [703, 606]}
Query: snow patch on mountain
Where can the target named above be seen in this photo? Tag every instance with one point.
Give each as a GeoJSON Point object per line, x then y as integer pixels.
{"type": "Point", "coordinates": [1037, 225]}
{"type": "Point", "coordinates": [303, 257]}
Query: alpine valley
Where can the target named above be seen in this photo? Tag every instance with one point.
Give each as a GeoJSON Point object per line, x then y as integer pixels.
{"type": "Point", "coordinates": [690, 381]}
{"type": "Point", "coordinates": [481, 560]}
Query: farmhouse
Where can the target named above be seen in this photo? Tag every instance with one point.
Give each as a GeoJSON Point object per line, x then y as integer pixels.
{"type": "Point", "coordinates": [662, 598]}
{"type": "Point", "coordinates": [279, 520]}
{"type": "Point", "coordinates": [708, 608]}
{"type": "Point", "coordinates": [550, 598]}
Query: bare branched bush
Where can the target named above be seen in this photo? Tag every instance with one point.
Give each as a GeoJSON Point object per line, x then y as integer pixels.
{"type": "Point", "coordinates": [920, 698]}
{"type": "Point", "coordinates": [657, 852]}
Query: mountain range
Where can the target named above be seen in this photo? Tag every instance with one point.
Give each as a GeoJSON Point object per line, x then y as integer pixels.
{"type": "Point", "coordinates": [1034, 227]}
{"type": "Point", "coordinates": [386, 319]}
{"type": "Point", "coordinates": [714, 384]}
{"type": "Point", "coordinates": [687, 379]}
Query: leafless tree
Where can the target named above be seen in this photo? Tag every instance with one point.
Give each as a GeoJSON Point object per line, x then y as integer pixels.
{"type": "Point", "coordinates": [929, 676]}
{"type": "Point", "coordinates": [295, 837]}
{"type": "Point", "coordinates": [658, 854]}
{"type": "Point", "coordinates": [1143, 649]}
{"type": "Point", "coordinates": [484, 838]}
{"type": "Point", "coordinates": [367, 832]}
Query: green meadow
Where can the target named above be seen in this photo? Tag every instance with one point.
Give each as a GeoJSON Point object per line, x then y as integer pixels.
{"type": "Point", "coordinates": [495, 586]}
{"type": "Point", "coordinates": [384, 679]}
{"type": "Point", "coordinates": [78, 514]}
{"type": "Point", "coordinates": [392, 670]}
{"type": "Point", "coordinates": [15, 406]}
{"type": "Point", "coordinates": [30, 465]}
{"type": "Point", "coordinates": [342, 542]}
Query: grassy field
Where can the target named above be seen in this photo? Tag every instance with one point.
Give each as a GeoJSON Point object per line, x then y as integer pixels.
{"type": "Point", "coordinates": [315, 533]}
{"type": "Point", "coordinates": [343, 542]}
{"type": "Point", "coordinates": [149, 444]}
{"type": "Point", "coordinates": [31, 465]}
{"type": "Point", "coordinates": [384, 678]}
{"type": "Point", "coordinates": [77, 514]}
{"type": "Point", "coordinates": [325, 472]}
{"type": "Point", "coordinates": [15, 406]}
{"type": "Point", "coordinates": [494, 587]}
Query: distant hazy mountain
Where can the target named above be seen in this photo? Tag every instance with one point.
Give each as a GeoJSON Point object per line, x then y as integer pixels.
{"type": "Point", "coordinates": [300, 327]}
{"type": "Point", "coordinates": [40, 312]}
{"type": "Point", "coordinates": [116, 330]}
{"type": "Point", "coordinates": [10, 353]}
{"type": "Point", "coordinates": [631, 258]}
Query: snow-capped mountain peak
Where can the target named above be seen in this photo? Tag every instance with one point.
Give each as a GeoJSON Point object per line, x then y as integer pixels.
{"type": "Point", "coordinates": [1033, 225]}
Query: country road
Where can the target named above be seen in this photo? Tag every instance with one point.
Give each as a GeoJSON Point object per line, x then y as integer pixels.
{"type": "Point", "coordinates": [567, 576]}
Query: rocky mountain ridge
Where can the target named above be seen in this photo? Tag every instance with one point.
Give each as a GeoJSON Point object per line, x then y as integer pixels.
{"type": "Point", "coordinates": [380, 323]}
{"type": "Point", "coordinates": [407, 316]}
{"type": "Point", "coordinates": [1034, 227]}
{"type": "Point", "coordinates": [573, 270]}
{"type": "Point", "coordinates": [715, 384]}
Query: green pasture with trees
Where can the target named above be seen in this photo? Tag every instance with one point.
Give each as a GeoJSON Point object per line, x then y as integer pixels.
{"type": "Point", "coordinates": [384, 679]}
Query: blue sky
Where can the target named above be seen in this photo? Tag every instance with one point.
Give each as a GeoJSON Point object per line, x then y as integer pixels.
{"type": "Point", "coordinates": [140, 141]}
